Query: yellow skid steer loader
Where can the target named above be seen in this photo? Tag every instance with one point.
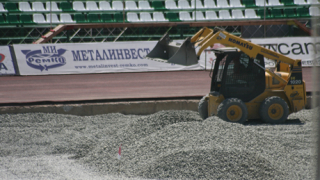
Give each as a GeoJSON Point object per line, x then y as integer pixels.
{"type": "Point", "coordinates": [241, 87]}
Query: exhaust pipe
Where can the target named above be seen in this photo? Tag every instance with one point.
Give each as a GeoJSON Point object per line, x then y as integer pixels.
{"type": "Point", "coordinates": [172, 52]}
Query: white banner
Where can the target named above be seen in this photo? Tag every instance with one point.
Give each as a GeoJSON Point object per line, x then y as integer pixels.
{"type": "Point", "coordinates": [75, 58]}
{"type": "Point", "coordinates": [72, 58]}
{"type": "Point", "coordinates": [293, 47]}
{"type": "Point", "coordinates": [6, 62]}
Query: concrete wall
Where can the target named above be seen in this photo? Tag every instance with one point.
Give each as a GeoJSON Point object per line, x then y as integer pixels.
{"type": "Point", "coordinates": [133, 107]}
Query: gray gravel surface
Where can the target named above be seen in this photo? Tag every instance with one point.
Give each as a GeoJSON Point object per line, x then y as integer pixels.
{"type": "Point", "coordinates": [164, 145]}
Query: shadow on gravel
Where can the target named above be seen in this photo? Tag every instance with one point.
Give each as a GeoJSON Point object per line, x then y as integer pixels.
{"type": "Point", "coordinates": [257, 122]}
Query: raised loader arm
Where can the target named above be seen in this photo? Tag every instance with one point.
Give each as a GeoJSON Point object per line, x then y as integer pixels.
{"type": "Point", "coordinates": [205, 38]}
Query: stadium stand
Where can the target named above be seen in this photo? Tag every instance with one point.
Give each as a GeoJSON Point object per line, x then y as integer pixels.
{"type": "Point", "coordinates": [16, 15]}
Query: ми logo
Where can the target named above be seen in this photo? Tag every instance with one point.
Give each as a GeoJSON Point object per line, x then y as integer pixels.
{"type": "Point", "coordinates": [46, 58]}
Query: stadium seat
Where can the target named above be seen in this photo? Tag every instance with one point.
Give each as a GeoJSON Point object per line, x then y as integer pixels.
{"type": "Point", "coordinates": [26, 19]}
{"type": "Point", "coordinates": [289, 13]}
{"type": "Point", "coordinates": [12, 7]}
{"type": "Point", "coordinates": [144, 5]}
{"type": "Point", "coordinates": [274, 3]}
{"type": "Point", "coordinates": [2, 9]}
{"type": "Point", "coordinates": [303, 12]}
{"type": "Point", "coordinates": [107, 18]}
{"type": "Point", "coordinates": [158, 5]}
{"type": "Point", "coordinates": [54, 6]}
{"type": "Point", "coordinates": [300, 2]}
{"type": "Point", "coordinates": [249, 3]}
{"type": "Point", "coordinates": [80, 18]}
{"type": "Point", "coordinates": [314, 11]}
{"type": "Point", "coordinates": [131, 5]}
{"type": "Point", "coordinates": [185, 16]}
{"type": "Point", "coordinates": [52, 18]}
{"type": "Point", "coordinates": [288, 2]}
{"type": "Point", "coordinates": [171, 4]}
{"type": "Point", "coordinates": [208, 4]}
{"type": "Point", "coordinates": [211, 15]}
{"type": "Point", "coordinates": [222, 4]}
{"type": "Point", "coordinates": [93, 18]}
{"type": "Point", "coordinates": [2, 20]}
{"type": "Point", "coordinates": [237, 14]}
{"type": "Point", "coordinates": [118, 17]}
{"type": "Point", "coordinates": [184, 4]}
{"type": "Point", "coordinates": [132, 17]}
{"type": "Point", "coordinates": [260, 12]}
{"type": "Point", "coordinates": [261, 3]}
{"type": "Point", "coordinates": [78, 6]}
{"type": "Point", "coordinates": [198, 4]}
{"type": "Point", "coordinates": [315, 2]}
{"type": "Point", "coordinates": [92, 6]}
{"type": "Point", "coordinates": [24, 6]}
{"type": "Point", "coordinates": [145, 17]}
{"type": "Point", "coordinates": [117, 5]}
{"type": "Point", "coordinates": [66, 6]}
{"type": "Point", "coordinates": [198, 15]}
{"type": "Point", "coordinates": [104, 6]}
{"type": "Point", "coordinates": [159, 16]}
{"type": "Point", "coordinates": [39, 18]}
{"type": "Point", "coordinates": [172, 17]}
{"type": "Point", "coordinates": [224, 15]}
{"type": "Point", "coordinates": [66, 18]}
{"type": "Point", "coordinates": [276, 13]}
{"type": "Point", "coordinates": [250, 14]}
{"type": "Point", "coordinates": [38, 7]}
{"type": "Point", "coordinates": [12, 19]}
{"type": "Point", "coordinates": [236, 4]}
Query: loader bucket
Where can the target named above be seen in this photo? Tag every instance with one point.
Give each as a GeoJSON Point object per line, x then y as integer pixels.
{"type": "Point", "coordinates": [173, 52]}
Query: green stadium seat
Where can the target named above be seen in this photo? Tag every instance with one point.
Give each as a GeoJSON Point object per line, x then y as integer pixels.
{"type": "Point", "coordinates": [303, 12]}
{"type": "Point", "coordinates": [26, 19]}
{"type": "Point", "coordinates": [172, 17]}
{"type": "Point", "coordinates": [12, 7]}
{"type": "Point", "coordinates": [276, 13]}
{"type": "Point", "coordinates": [2, 20]}
{"type": "Point", "coordinates": [106, 18]}
{"type": "Point", "coordinates": [158, 5]}
{"type": "Point", "coordinates": [66, 6]}
{"type": "Point", "coordinates": [249, 3]}
{"type": "Point", "coordinates": [260, 12]}
{"type": "Point", "coordinates": [93, 18]}
{"type": "Point", "coordinates": [13, 19]}
{"type": "Point", "coordinates": [118, 17]}
{"type": "Point", "coordinates": [80, 18]}
{"type": "Point", "coordinates": [289, 13]}
{"type": "Point", "coordinates": [288, 2]}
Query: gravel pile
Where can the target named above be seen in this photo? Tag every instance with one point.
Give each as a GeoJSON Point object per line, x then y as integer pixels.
{"type": "Point", "coordinates": [168, 144]}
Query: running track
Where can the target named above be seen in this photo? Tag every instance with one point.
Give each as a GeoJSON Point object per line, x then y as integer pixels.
{"type": "Point", "coordinates": [109, 86]}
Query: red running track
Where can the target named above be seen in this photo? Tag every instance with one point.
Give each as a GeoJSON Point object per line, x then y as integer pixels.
{"type": "Point", "coordinates": [110, 86]}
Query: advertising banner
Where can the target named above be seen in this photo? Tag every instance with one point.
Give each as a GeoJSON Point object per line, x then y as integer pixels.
{"type": "Point", "coordinates": [76, 58]}
{"type": "Point", "coordinates": [6, 62]}
{"type": "Point", "coordinates": [293, 47]}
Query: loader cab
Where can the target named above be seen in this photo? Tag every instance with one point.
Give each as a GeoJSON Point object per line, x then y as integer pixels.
{"type": "Point", "coordinates": [236, 75]}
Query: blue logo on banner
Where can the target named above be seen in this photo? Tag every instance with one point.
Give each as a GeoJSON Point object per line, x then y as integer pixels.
{"type": "Point", "coordinates": [46, 58]}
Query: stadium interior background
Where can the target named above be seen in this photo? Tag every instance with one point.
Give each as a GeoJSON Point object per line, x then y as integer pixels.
{"type": "Point", "coordinates": [24, 22]}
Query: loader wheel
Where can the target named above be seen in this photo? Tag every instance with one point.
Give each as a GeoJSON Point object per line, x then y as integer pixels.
{"type": "Point", "coordinates": [274, 110]}
{"type": "Point", "coordinates": [203, 108]}
{"type": "Point", "coordinates": [233, 110]}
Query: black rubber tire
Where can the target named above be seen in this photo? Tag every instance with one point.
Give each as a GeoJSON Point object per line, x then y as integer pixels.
{"type": "Point", "coordinates": [265, 110]}
{"type": "Point", "coordinates": [225, 110]}
{"type": "Point", "coordinates": [203, 108]}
